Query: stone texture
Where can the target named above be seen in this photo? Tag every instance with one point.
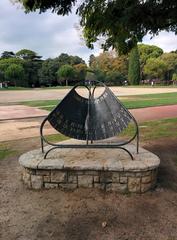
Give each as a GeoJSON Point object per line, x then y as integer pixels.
{"type": "Point", "coordinates": [101, 186]}
{"type": "Point", "coordinates": [123, 179]}
{"type": "Point", "coordinates": [26, 177]}
{"type": "Point", "coordinates": [145, 187]}
{"type": "Point", "coordinates": [51, 164]}
{"type": "Point", "coordinates": [36, 182]}
{"type": "Point", "coordinates": [106, 177]}
{"type": "Point", "coordinates": [72, 178]}
{"type": "Point", "coordinates": [96, 179]}
{"type": "Point", "coordinates": [134, 184]}
{"type": "Point", "coordinates": [85, 181]}
{"type": "Point", "coordinates": [146, 179]}
{"type": "Point", "coordinates": [58, 176]}
{"type": "Point", "coordinates": [47, 178]}
{"type": "Point", "coordinates": [42, 172]}
{"type": "Point", "coordinates": [50, 185]}
{"type": "Point", "coordinates": [106, 169]}
{"type": "Point", "coordinates": [115, 177]}
{"type": "Point", "coordinates": [116, 187]}
{"type": "Point", "coordinates": [68, 186]}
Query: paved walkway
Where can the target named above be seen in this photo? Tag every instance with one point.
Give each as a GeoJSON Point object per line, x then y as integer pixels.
{"type": "Point", "coordinates": [25, 128]}
{"type": "Point", "coordinates": [20, 111]}
{"type": "Point", "coordinates": [49, 94]}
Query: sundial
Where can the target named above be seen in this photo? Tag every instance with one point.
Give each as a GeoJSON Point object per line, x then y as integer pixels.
{"type": "Point", "coordinates": [91, 119]}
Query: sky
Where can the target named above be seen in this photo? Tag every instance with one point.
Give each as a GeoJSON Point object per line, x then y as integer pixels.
{"type": "Point", "coordinates": [50, 35]}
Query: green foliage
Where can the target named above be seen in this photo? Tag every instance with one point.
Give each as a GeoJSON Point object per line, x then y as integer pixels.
{"type": "Point", "coordinates": [134, 67]}
{"type": "Point", "coordinates": [7, 54]}
{"type": "Point", "coordinates": [115, 79]}
{"type": "Point", "coordinates": [80, 71]}
{"type": "Point", "coordinates": [15, 73]}
{"type": "Point", "coordinates": [65, 72]}
{"type": "Point", "coordinates": [27, 54]}
{"type": "Point", "coordinates": [170, 59]}
{"type": "Point", "coordinates": [155, 68]}
{"type": "Point", "coordinates": [110, 67]}
{"type": "Point", "coordinates": [121, 23]}
{"type": "Point", "coordinates": [146, 52]}
{"type": "Point", "coordinates": [47, 72]}
{"type": "Point", "coordinates": [174, 78]}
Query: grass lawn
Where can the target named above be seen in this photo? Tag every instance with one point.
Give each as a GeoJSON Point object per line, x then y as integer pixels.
{"type": "Point", "coordinates": [14, 88]}
{"type": "Point", "coordinates": [154, 130]}
{"type": "Point", "coordinates": [149, 131]}
{"type": "Point", "coordinates": [131, 102]}
{"type": "Point", "coordinates": [6, 151]}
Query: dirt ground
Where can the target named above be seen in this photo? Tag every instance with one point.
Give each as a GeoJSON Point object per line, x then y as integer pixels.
{"type": "Point", "coordinates": [58, 215]}
{"type": "Point", "coordinates": [49, 94]}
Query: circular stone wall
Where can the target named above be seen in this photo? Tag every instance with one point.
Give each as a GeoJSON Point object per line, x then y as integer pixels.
{"type": "Point", "coordinates": [106, 169]}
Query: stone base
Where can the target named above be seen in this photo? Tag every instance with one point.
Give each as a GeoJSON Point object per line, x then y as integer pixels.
{"type": "Point", "coordinates": [106, 169]}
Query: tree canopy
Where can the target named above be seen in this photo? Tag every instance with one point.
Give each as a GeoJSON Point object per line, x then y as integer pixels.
{"type": "Point", "coordinates": [122, 23]}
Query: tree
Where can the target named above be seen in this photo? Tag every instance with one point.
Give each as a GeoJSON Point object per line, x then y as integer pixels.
{"type": "Point", "coordinates": [91, 59]}
{"type": "Point", "coordinates": [134, 67]}
{"type": "Point", "coordinates": [122, 23]}
{"type": "Point", "coordinates": [32, 64]}
{"type": "Point", "coordinates": [80, 71]}
{"type": "Point", "coordinates": [7, 54]}
{"type": "Point", "coordinates": [115, 79]}
{"type": "Point", "coordinates": [174, 78]}
{"type": "Point", "coordinates": [15, 73]}
{"type": "Point", "coordinates": [48, 72]}
{"type": "Point", "coordinates": [66, 72]}
{"type": "Point", "coordinates": [146, 52]}
{"type": "Point", "coordinates": [27, 54]}
{"type": "Point", "coordinates": [170, 59]}
{"type": "Point", "coordinates": [155, 68]}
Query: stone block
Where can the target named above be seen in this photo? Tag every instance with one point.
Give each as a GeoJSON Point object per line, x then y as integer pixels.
{"type": "Point", "coordinates": [42, 172]}
{"type": "Point", "coordinates": [145, 187]}
{"type": "Point", "coordinates": [85, 181]}
{"type": "Point", "coordinates": [26, 177]}
{"type": "Point", "coordinates": [115, 177]}
{"type": "Point", "coordinates": [123, 179]}
{"type": "Point", "coordinates": [68, 186]}
{"type": "Point", "coordinates": [93, 173]}
{"type": "Point", "coordinates": [36, 182]}
{"type": "Point", "coordinates": [58, 176]}
{"type": "Point", "coordinates": [105, 177]}
{"type": "Point", "coordinates": [50, 185]}
{"type": "Point", "coordinates": [146, 179]}
{"type": "Point", "coordinates": [130, 174]}
{"type": "Point", "coordinates": [96, 179]}
{"type": "Point", "coordinates": [46, 178]}
{"type": "Point", "coordinates": [31, 171]}
{"type": "Point", "coordinates": [51, 163]}
{"type": "Point", "coordinates": [134, 184]}
{"type": "Point", "coordinates": [116, 187]}
{"type": "Point", "coordinates": [72, 178]}
{"type": "Point", "coordinates": [101, 186]}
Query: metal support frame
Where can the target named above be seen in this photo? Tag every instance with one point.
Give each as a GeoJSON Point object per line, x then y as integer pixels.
{"type": "Point", "coordinates": [91, 145]}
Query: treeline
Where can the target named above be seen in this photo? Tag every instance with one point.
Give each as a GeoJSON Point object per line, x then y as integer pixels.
{"type": "Point", "coordinates": [144, 64]}
{"type": "Point", "coordinates": [26, 69]}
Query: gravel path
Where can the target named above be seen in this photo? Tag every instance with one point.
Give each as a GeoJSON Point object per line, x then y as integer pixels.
{"type": "Point", "coordinates": [38, 94]}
